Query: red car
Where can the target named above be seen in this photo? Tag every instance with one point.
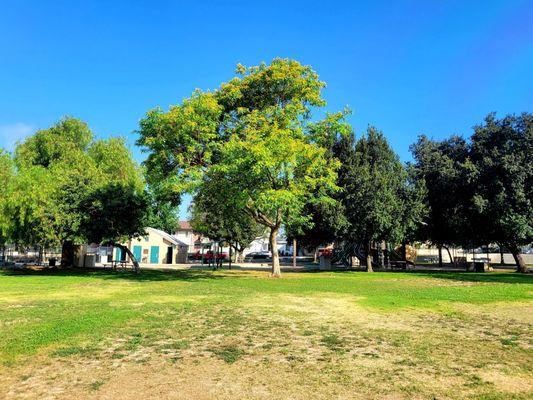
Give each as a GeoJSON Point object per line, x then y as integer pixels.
{"type": "Point", "coordinates": [209, 255]}
{"type": "Point", "coordinates": [326, 252]}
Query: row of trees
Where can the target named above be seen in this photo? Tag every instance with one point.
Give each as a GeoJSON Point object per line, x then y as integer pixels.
{"type": "Point", "coordinates": [61, 187]}
{"type": "Point", "coordinates": [254, 160]}
{"type": "Point", "coordinates": [457, 192]}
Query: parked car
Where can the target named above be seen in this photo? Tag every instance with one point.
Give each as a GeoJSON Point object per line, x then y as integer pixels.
{"type": "Point", "coordinates": [210, 255]}
{"type": "Point", "coordinates": [258, 255]}
{"type": "Point", "coordinates": [325, 251]}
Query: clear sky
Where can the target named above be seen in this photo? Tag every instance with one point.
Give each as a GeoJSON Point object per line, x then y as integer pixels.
{"type": "Point", "coordinates": [408, 67]}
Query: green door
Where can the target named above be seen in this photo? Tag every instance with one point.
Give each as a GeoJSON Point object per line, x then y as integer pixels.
{"type": "Point", "coordinates": [137, 250]}
{"type": "Point", "coordinates": [154, 254]}
{"type": "Point", "coordinates": [118, 254]}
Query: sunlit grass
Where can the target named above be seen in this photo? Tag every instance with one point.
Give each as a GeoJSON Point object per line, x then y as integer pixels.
{"type": "Point", "coordinates": [399, 322]}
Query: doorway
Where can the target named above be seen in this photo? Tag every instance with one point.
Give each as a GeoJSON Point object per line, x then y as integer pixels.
{"type": "Point", "coordinates": [169, 255]}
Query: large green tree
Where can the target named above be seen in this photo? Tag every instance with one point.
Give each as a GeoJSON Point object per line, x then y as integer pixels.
{"type": "Point", "coordinates": [480, 191]}
{"type": "Point", "coordinates": [251, 134]}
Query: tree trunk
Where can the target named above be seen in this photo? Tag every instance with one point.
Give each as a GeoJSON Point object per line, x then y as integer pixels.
{"type": "Point", "coordinates": [67, 254]}
{"type": "Point", "coordinates": [276, 270]}
{"type": "Point", "coordinates": [404, 252]}
{"type": "Point", "coordinates": [520, 263]}
{"type": "Point", "coordinates": [230, 256]}
{"type": "Point", "coordinates": [134, 261]}
{"type": "Point", "coordinates": [215, 257]}
{"type": "Point", "coordinates": [382, 254]}
{"type": "Point", "coordinates": [369, 257]}
{"type": "Point", "coordinates": [502, 259]}
{"type": "Point", "coordinates": [440, 256]}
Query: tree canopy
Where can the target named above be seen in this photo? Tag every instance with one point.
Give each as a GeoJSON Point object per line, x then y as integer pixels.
{"type": "Point", "coordinates": [251, 134]}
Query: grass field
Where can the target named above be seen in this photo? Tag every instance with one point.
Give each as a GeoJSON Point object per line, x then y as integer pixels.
{"type": "Point", "coordinates": [236, 335]}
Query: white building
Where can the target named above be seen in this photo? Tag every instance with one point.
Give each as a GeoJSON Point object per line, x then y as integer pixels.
{"type": "Point", "coordinates": [157, 247]}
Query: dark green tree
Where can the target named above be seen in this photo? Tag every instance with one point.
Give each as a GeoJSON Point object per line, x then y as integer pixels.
{"type": "Point", "coordinates": [327, 220]}
{"type": "Point", "coordinates": [372, 179]}
{"type": "Point", "coordinates": [161, 214]}
{"type": "Point", "coordinates": [502, 156]}
{"type": "Point", "coordinates": [413, 196]}
{"type": "Point", "coordinates": [446, 171]}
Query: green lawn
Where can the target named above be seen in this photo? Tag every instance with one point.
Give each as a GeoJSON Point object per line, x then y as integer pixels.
{"type": "Point", "coordinates": [235, 334]}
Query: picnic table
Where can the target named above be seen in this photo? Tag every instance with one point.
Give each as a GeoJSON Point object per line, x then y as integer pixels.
{"type": "Point", "coordinates": [121, 265]}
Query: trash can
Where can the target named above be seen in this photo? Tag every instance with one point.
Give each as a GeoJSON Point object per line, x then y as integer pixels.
{"type": "Point", "coordinates": [325, 263]}
{"type": "Point", "coordinates": [89, 261]}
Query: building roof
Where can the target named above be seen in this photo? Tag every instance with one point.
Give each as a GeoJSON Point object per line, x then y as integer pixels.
{"type": "Point", "coordinates": [185, 226]}
{"type": "Point", "coordinates": [171, 238]}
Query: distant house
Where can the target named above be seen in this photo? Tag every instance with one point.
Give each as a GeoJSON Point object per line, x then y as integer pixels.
{"type": "Point", "coordinates": [185, 234]}
{"type": "Point", "coordinates": [262, 244]}
{"type": "Point", "coordinates": [195, 241]}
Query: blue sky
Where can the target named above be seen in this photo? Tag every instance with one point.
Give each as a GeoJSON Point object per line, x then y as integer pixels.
{"type": "Point", "coordinates": [407, 67]}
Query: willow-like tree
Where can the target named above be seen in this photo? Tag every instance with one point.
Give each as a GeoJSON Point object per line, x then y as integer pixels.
{"type": "Point", "coordinates": [252, 135]}
{"type": "Point", "coordinates": [57, 170]}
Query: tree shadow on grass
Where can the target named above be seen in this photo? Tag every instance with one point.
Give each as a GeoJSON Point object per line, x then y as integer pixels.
{"type": "Point", "coordinates": [481, 277]}
{"type": "Point", "coordinates": [144, 276]}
